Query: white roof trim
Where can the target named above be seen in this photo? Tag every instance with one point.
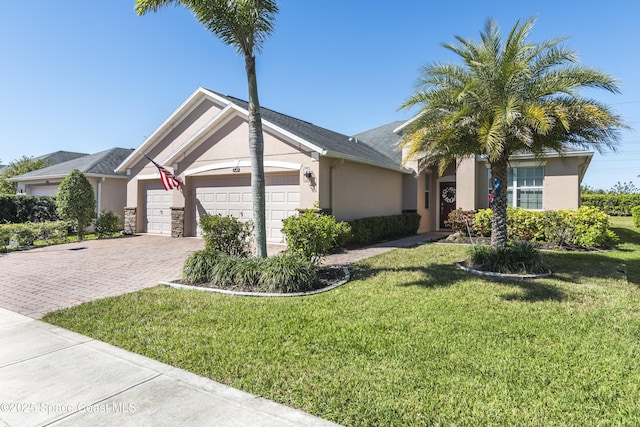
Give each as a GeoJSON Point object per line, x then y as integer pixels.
{"type": "Point", "coordinates": [549, 155]}
{"type": "Point", "coordinates": [190, 104]}
{"type": "Point", "coordinates": [209, 128]}
{"type": "Point", "coordinates": [366, 162]}
{"type": "Point", "coordinates": [148, 176]}
{"type": "Point", "coordinates": [242, 163]}
{"type": "Point", "coordinates": [59, 176]}
{"type": "Point", "coordinates": [400, 128]}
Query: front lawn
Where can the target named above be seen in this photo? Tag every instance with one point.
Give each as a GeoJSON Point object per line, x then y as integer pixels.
{"type": "Point", "coordinates": [411, 340]}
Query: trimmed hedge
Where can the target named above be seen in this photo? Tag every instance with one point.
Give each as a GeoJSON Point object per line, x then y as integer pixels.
{"type": "Point", "coordinates": [226, 234]}
{"type": "Point", "coordinates": [587, 227]}
{"type": "Point", "coordinates": [313, 234]}
{"type": "Point", "coordinates": [612, 204]}
{"type": "Point", "coordinates": [635, 212]}
{"type": "Point", "coordinates": [379, 228]}
{"type": "Point", "coordinates": [16, 208]}
{"type": "Point", "coordinates": [26, 234]}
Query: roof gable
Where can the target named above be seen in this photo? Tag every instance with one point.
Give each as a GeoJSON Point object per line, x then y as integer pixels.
{"type": "Point", "coordinates": [302, 133]}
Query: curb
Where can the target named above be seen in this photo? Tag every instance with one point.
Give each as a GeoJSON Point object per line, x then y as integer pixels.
{"type": "Point", "coordinates": [347, 277]}
{"type": "Point", "coordinates": [502, 275]}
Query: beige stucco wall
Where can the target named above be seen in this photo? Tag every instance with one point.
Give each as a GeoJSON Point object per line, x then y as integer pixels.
{"type": "Point", "coordinates": [113, 195]}
{"type": "Point", "coordinates": [358, 190]}
{"type": "Point", "coordinates": [466, 186]}
{"type": "Point", "coordinates": [561, 188]}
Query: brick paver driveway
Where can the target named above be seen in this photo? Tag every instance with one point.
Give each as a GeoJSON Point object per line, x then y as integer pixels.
{"type": "Point", "coordinates": [38, 281]}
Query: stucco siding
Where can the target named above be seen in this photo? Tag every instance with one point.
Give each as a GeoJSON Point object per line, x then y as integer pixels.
{"type": "Point", "coordinates": [561, 189]}
{"type": "Point", "coordinates": [359, 191]}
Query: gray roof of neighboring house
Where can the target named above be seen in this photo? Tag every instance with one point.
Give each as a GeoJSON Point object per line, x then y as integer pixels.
{"type": "Point", "coordinates": [59, 157]}
{"type": "Point", "coordinates": [384, 139]}
{"type": "Point", "coordinates": [102, 163]}
{"type": "Point", "coordinates": [324, 138]}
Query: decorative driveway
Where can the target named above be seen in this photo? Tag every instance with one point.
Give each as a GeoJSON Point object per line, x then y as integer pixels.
{"type": "Point", "coordinates": [38, 281]}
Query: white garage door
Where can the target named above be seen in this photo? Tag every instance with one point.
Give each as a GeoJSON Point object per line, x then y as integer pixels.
{"type": "Point", "coordinates": [44, 190]}
{"type": "Point", "coordinates": [231, 195]}
{"type": "Point", "coordinates": [158, 212]}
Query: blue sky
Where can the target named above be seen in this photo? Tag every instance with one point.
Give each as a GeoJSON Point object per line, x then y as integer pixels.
{"type": "Point", "coordinates": [90, 75]}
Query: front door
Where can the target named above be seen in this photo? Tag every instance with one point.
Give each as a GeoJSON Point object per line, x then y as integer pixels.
{"type": "Point", "coordinates": [447, 201]}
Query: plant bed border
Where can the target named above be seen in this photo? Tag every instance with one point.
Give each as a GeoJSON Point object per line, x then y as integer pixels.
{"type": "Point", "coordinates": [477, 272]}
{"type": "Point", "coordinates": [176, 285]}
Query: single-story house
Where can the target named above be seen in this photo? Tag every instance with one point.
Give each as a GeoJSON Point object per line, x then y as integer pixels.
{"type": "Point", "coordinates": [109, 186]}
{"type": "Point", "coordinates": [205, 143]}
{"type": "Point", "coordinates": [53, 158]}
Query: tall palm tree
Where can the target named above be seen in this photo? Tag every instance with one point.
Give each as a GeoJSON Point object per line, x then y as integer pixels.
{"type": "Point", "coordinates": [244, 25]}
{"type": "Point", "coordinates": [507, 96]}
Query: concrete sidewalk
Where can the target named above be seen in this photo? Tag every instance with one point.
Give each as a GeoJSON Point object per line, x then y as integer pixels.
{"type": "Point", "coordinates": [51, 376]}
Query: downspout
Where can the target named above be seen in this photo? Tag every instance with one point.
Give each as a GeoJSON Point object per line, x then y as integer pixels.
{"type": "Point", "coordinates": [99, 196]}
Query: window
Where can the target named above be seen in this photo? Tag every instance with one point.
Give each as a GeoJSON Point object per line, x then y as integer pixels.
{"type": "Point", "coordinates": [427, 190]}
{"type": "Point", "coordinates": [526, 183]}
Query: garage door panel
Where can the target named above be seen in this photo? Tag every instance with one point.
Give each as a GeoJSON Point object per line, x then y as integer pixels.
{"type": "Point", "coordinates": [158, 211]}
{"type": "Point", "coordinates": [232, 196]}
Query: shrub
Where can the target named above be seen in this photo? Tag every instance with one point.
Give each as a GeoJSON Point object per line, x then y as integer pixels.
{"type": "Point", "coordinates": [514, 257]}
{"type": "Point", "coordinates": [287, 272]}
{"type": "Point", "coordinates": [16, 208]}
{"type": "Point", "coordinates": [590, 228]}
{"type": "Point", "coordinates": [636, 216]}
{"type": "Point", "coordinates": [108, 224]}
{"type": "Point", "coordinates": [75, 201]}
{"type": "Point", "coordinates": [482, 222]}
{"type": "Point", "coordinates": [197, 267]}
{"type": "Point", "coordinates": [314, 235]}
{"type": "Point", "coordinates": [586, 227]}
{"type": "Point", "coordinates": [524, 224]}
{"type": "Point", "coordinates": [376, 229]}
{"type": "Point", "coordinates": [458, 221]}
{"type": "Point", "coordinates": [27, 234]}
{"type": "Point", "coordinates": [226, 234]}
{"type": "Point", "coordinates": [612, 204]}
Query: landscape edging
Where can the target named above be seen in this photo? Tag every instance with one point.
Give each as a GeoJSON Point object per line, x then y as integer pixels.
{"type": "Point", "coordinates": [347, 277]}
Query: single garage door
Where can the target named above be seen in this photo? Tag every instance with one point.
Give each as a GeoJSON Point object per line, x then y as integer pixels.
{"type": "Point", "coordinates": [231, 195]}
{"type": "Point", "coordinates": [158, 211]}
{"type": "Point", "coordinates": [43, 190]}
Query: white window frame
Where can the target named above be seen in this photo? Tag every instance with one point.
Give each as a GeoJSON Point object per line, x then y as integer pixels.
{"type": "Point", "coordinates": [514, 188]}
{"type": "Point", "coordinates": [427, 191]}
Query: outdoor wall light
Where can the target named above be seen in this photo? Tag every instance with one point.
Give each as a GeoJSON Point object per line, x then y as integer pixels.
{"type": "Point", "coordinates": [308, 175]}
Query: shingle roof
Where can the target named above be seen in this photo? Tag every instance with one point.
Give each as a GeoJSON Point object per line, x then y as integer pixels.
{"type": "Point", "coordinates": [59, 157]}
{"type": "Point", "coordinates": [384, 139]}
{"type": "Point", "coordinates": [102, 163]}
{"type": "Point", "coordinates": [324, 138]}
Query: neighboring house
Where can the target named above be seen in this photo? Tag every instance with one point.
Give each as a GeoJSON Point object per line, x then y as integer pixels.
{"type": "Point", "coordinates": [53, 158]}
{"type": "Point", "coordinates": [205, 143]}
{"type": "Point", "coordinates": [109, 186]}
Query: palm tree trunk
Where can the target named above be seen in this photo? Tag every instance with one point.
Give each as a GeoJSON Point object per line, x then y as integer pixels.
{"type": "Point", "coordinates": [256, 149]}
{"type": "Point", "coordinates": [499, 217]}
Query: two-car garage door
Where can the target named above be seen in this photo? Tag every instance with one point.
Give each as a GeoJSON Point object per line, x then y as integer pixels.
{"type": "Point", "coordinates": [231, 195]}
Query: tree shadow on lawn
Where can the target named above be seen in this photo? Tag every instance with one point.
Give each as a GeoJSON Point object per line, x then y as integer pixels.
{"type": "Point", "coordinates": [444, 275]}
{"type": "Point", "coordinates": [576, 267]}
{"type": "Point", "coordinates": [431, 276]}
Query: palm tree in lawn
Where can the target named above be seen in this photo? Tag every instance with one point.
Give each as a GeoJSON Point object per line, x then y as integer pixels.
{"type": "Point", "coordinates": [244, 25]}
{"type": "Point", "coordinates": [507, 96]}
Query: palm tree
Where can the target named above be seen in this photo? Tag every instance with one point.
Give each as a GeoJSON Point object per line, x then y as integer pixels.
{"type": "Point", "coordinates": [508, 96]}
{"type": "Point", "coordinates": [245, 25]}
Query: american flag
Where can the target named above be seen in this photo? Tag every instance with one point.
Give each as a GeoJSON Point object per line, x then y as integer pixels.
{"type": "Point", "coordinates": [169, 180]}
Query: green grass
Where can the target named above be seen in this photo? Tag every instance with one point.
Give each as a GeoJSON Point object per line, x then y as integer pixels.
{"type": "Point", "coordinates": [411, 340]}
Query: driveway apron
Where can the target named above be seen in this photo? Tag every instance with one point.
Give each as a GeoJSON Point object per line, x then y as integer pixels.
{"type": "Point", "coordinates": [38, 281]}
